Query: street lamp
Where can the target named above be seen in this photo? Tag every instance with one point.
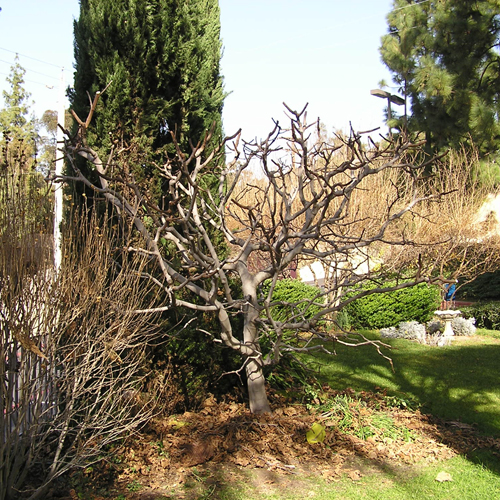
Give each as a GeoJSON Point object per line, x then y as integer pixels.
{"type": "Point", "coordinates": [391, 98]}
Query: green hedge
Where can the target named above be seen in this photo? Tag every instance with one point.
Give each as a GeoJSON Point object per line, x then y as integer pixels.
{"type": "Point", "coordinates": [295, 296]}
{"type": "Point", "coordinates": [382, 310]}
{"type": "Point", "coordinates": [487, 315]}
{"type": "Point", "coordinates": [486, 287]}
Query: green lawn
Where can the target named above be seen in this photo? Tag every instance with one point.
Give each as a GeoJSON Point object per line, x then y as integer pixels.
{"type": "Point", "coordinates": [468, 482]}
{"type": "Point", "coordinates": [460, 382]}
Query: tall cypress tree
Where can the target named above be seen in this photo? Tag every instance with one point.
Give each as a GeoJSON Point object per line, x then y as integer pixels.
{"type": "Point", "coordinates": [442, 55]}
{"type": "Point", "coordinates": [161, 60]}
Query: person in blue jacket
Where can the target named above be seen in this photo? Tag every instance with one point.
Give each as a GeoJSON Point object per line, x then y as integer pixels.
{"type": "Point", "coordinates": [449, 296]}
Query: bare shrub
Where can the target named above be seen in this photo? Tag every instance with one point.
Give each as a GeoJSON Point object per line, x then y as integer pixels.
{"type": "Point", "coordinates": [471, 248]}
{"type": "Point", "coordinates": [25, 326]}
{"type": "Point", "coordinates": [75, 356]}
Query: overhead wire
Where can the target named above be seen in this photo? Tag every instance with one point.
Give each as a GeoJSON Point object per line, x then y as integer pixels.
{"type": "Point", "coordinates": [32, 58]}
{"type": "Point", "coordinates": [64, 69]}
{"type": "Point", "coordinates": [30, 70]}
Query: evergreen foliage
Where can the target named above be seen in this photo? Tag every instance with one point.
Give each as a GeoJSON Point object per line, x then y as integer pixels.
{"type": "Point", "coordinates": [161, 61]}
{"type": "Point", "coordinates": [47, 139]}
{"type": "Point", "coordinates": [17, 129]}
{"type": "Point", "coordinates": [382, 310]}
{"type": "Point", "coordinates": [486, 315]}
{"type": "Point", "coordinates": [444, 60]}
{"type": "Point", "coordinates": [19, 176]}
{"type": "Point", "coordinates": [198, 363]}
{"type": "Point", "coordinates": [293, 299]}
{"type": "Point", "coordinates": [486, 287]}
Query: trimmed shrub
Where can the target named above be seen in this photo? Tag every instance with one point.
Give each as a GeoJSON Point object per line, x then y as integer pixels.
{"type": "Point", "coordinates": [486, 315]}
{"type": "Point", "coordinates": [411, 330]}
{"type": "Point", "coordinates": [463, 326]}
{"type": "Point", "coordinates": [296, 297]}
{"type": "Point", "coordinates": [382, 310]}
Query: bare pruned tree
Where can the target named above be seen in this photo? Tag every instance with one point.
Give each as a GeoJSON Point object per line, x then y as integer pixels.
{"type": "Point", "coordinates": [304, 210]}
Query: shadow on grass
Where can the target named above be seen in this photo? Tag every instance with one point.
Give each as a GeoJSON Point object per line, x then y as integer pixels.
{"type": "Point", "coordinates": [457, 383]}
{"type": "Point", "coordinates": [487, 459]}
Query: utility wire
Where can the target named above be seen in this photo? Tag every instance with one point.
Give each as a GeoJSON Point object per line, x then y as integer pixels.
{"type": "Point", "coordinates": [32, 58]}
{"type": "Point", "coordinates": [58, 66]}
{"type": "Point", "coordinates": [32, 70]}
{"type": "Point", "coordinates": [29, 70]}
{"type": "Point", "coordinates": [28, 81]}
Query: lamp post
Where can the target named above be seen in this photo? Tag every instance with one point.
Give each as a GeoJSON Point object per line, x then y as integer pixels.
{"type": "Point", "coordinates": [391, 98]}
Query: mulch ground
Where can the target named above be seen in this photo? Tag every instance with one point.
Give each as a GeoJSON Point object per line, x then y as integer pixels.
{"type": "Point", "coordinates": [224, 438]}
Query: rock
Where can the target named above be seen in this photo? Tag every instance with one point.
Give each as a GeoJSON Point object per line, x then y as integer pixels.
{"type": "Point", "coordinates": [443, 477]}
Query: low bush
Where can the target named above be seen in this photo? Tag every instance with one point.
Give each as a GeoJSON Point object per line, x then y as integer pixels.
{"type": "Point", "coordinates": [486, 315]}
{"type": "Point", "coordinates": [411, 330]}
{"type": "Point", "coordinates": [463, 326]}
{"type": "Point", "coordinates": [435, 326]}
{"type": "Point", "coordinates": [293, 298]}
{"type": "Point", "coordinates": [382, 310]}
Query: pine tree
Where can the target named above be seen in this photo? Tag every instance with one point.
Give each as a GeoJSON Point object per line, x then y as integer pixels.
{"type": "Point", "coordinates": [161, 60]}
{"type": "Point", "coordinates": [20, 178]}
{"type": "Point", "coordinates": [443, 58]}
{"type": "Point", "coordinates": [17, 129]}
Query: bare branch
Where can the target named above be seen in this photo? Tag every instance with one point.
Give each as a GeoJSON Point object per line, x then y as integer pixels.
{"type": "Point", "coordinates": [357, 209]}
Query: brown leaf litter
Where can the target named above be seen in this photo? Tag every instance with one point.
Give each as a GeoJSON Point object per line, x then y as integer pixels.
{"type": "Point", "coordinates": [225, 435]}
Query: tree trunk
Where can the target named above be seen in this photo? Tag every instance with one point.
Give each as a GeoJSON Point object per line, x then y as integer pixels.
{"type": "Point", "coordinates": [256, 381]}
{"type": "Point", "coordinates": [257, 387]}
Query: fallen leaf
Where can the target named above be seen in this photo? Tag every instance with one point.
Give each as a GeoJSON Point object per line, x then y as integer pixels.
{"type": "Point", "coordinates": [355, 475]}
{"type": "Point", "coordinates": [177, 424]}
{"type": "Point", "coordinates": [290, 411]}
{"type": "Point", "coordinates": [443, 476]}
{"type": "Point", "coordinates": [316, 434]}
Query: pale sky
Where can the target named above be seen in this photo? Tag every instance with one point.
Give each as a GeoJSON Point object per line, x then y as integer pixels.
{"type": "Point", "coordinates": [321, 52]}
